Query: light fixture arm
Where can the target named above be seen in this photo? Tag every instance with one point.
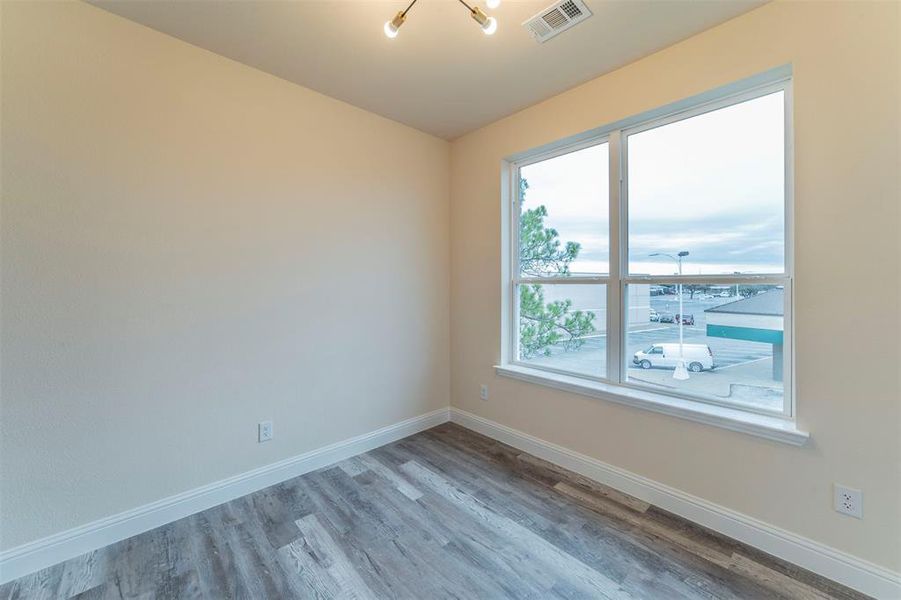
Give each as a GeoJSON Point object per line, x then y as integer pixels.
{"type": "Point", "coordinates": [409, 6]}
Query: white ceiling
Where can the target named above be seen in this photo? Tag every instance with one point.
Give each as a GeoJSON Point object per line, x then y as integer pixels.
{"type": "Point", "coordinates": [441, 74]}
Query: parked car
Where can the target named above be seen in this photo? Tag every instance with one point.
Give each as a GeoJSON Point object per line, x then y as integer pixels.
{"type": "Point", "coordinates": [653, 316]}
{"type": "Point", "coordinates": [686, 319]}
{"type": "Point", "coordinates": [725, 295]}
{"type": "Point", "coordinates": [698, 357]}
{"type": "Point", "coordinates": [666, 317]}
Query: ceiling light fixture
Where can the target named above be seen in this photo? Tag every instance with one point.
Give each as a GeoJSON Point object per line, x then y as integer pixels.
{"type": "Point", "coordinates": [394, 24]}
{"type": "Point", "coordinates": [488, 24]}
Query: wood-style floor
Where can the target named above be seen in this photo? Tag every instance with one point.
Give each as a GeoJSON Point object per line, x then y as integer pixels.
{"type": "Point", "coordinates": [446, 513]}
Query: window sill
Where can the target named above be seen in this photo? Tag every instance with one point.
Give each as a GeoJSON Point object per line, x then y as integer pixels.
{"type": "Point", "coordinates": [771, 428]}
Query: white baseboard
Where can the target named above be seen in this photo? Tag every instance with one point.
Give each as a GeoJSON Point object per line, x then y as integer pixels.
{"type": "Point", "coordinates": [48, 551]}
{"type": "Point", "coordinates": [833, 564]}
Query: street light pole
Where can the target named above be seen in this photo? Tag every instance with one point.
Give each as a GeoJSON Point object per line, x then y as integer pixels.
{"type": "Point", "coordinates": [681, 316]}
{"type": "Point", "coordinates": [680, 371]}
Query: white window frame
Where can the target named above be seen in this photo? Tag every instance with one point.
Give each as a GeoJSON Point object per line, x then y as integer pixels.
{"type": "Point", "coordinates": [517, 279]}
{"type": "Point", "coordinates": [616, 135]}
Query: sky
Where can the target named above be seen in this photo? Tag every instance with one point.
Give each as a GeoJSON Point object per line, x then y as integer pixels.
{"type": "Point", "coordinates": [712, 185]}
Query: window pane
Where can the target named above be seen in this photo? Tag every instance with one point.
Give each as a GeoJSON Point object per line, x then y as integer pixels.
{"type": "Point", "coordinates": [563, 327]}
{"type": "Point", "coordinates": [564, 215]}
{"type": "Point", "coordinates": [712, 185]}
{"type": "Point", "coordinates": [732, 342]}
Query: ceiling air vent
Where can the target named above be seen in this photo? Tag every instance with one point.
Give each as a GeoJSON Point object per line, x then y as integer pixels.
{"type": "Point", "coordinates": [557, 18]}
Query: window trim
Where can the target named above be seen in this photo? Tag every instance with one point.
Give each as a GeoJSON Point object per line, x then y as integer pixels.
{"type": "Point", "coordinates": [616, 136]}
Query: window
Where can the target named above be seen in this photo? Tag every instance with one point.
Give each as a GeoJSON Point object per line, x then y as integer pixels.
{"type": "Point", "coordinates": [563, 258]}
{"type": "Point", "coordinates": [675, 279]}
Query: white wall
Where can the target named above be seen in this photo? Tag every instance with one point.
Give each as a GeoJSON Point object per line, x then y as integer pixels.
{"type": "Point", "coordinates": [845, 57]}
{"type": "Point", "coordinates": [190, 246]}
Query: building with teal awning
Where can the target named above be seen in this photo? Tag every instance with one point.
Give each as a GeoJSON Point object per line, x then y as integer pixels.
{"type": "Point", "coordinates": [757, 318]}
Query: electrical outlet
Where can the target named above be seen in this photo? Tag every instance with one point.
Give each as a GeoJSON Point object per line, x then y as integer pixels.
{"type": "Point", "coordinates": [483, 392]}
{"type": "Point", "coordinates": [848, 501]}
{"type": "Point", "coordinates": [265, 431]}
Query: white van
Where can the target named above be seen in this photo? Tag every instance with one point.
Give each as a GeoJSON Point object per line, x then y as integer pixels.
{"type": "Point", "coordinates": [697, 357]}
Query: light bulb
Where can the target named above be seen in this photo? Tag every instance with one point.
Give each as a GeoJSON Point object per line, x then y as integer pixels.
{"type": "Point", "coordinates": [394, 24]}
{"type": "Point", "coordinates": [492, 4]}
{"type": "Point", "coordinates": [488, 24]}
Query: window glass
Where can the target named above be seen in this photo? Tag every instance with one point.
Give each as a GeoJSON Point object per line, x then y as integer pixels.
{"type": "Point", "coordinates": [732, 343]}
{"type": "Point", "coordinates": [712, 185]}
{"type": "Point", "coordinates": [564, 327]}
{"type": "Point", "coordinates": [564, 223]}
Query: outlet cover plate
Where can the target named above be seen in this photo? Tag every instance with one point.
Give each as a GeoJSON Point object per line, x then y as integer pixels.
{"type": "Point", "coordinates": [265, 431]}
{"type": "Point", "coordinates": [848, 501]}
{"type": "Point", "coordinates": [483, 392]}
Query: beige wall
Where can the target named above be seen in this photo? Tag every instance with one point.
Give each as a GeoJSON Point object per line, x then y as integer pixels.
{"type": "Point", "coordinates": [846, 90]}
{"type": "Point", "coordinates": [190, 246]}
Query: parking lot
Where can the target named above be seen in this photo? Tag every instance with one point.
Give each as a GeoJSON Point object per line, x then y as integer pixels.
{"type": "Point", "coordinates": [743, 369]}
